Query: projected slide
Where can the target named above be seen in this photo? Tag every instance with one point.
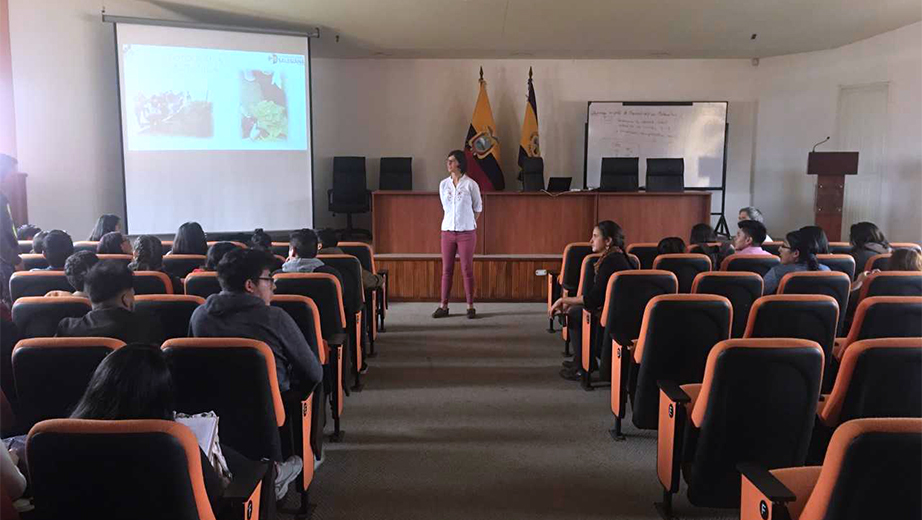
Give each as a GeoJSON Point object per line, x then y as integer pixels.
{"type": "Point", "coordinates": [185, 98]}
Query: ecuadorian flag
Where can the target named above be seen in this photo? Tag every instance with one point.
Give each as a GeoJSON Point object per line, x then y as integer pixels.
{"type": "Point", "coordinates": [482, 145]}
{"type": "Point", "coordinates": [528, 145]}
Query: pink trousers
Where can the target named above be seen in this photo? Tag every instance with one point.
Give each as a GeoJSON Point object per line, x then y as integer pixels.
{"type": "Point", "coordinates": [462, 243]}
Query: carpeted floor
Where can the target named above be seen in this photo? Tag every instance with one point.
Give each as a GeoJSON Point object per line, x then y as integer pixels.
{"type": "Point", "coordinates": [465, 419]}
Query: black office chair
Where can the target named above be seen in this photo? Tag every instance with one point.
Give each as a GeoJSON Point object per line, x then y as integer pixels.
{"type": "Point", "coordinates": [396, 174]}
{"type": "Point", "coordinates": [619, 174]}
{"type": "Point", "coordinates": [533, 174]}
{"type": "Point", "coordinates": [665, 175]}
{"type": "Point", "coordinates": [349, 194]}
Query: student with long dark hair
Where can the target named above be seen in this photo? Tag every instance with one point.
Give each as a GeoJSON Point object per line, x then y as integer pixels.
{"type": "Point", "coordinates": [261, 240]}
{"type": "Point", "coordinates": [700, 239]}
{"type": "Point", "coordinates": [114, 243]}
{"type": "Point", "coordinates": [670, 245]}
{"type": "Point", "coordinates": [148, 256]}
{"type": "Point", "coordinates": [607, 239]}
{"type": "Point", "coordinates": [190, 240]}
{"type": "Point", "coordinates": [106, 224]}
{"type": "Point", "coordinates": [867, 240]}
{"type": "Point", "coordinates": [819, 235]}
{"type": "Point", "coordinates": [798, 253]}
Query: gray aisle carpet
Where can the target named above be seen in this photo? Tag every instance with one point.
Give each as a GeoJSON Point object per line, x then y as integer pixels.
{"type": "Point", "coordinates": [465, 419]}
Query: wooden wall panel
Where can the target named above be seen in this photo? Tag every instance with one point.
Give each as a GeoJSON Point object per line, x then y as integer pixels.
{"type": "Point", "coordinates": [650, 217]}
{"type": "Point", "coordinates": [536, 223]}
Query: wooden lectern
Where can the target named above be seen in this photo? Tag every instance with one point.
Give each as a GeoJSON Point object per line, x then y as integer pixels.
{"type": "Point", "coordinates": [831, 169]}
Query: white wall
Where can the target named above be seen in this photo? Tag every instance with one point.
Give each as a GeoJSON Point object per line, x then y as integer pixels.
{"type": "Point", "coordinates": [798, 101]}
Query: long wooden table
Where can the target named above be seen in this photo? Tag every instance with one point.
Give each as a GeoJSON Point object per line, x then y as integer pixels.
{"type": "Point", "coordinates": [535, 223]}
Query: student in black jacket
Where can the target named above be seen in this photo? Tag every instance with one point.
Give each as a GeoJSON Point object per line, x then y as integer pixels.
{"type": "Point", "coordinates": [607, 239]}
{"type": "Point", "coordinates": [110, 286]}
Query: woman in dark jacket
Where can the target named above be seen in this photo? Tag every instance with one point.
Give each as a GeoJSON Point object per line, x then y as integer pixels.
{"type": "Point", "coordinates": [608, 240]}
{"type": "Point", "coordinates": [867, 240]}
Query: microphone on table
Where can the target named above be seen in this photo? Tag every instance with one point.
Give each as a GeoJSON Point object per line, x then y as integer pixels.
{"type": "Point", "coordinates": [821, 142]}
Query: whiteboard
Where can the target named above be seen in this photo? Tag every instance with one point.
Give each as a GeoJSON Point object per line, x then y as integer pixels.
{"type": "Point", "coordinates": [695, 131]}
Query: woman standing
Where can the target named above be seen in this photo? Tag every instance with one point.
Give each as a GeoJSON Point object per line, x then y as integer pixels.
{"type": "Point", "coordinates": [462, 204]}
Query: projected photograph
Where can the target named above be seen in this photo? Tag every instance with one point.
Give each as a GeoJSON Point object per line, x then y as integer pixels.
{"type": "Point", "coordinates": [263, 106]}
{"type": "Point", "coordinates": [171, 113]}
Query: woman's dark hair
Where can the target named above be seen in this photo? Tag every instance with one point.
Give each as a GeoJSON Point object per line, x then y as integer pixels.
{"type": "Point", "coordinates": [111, 244]}
{"type": "Point", "coordinates": [304, 243]}
{"type": "Point", "coordinates": [216, 252]}
{"type": "Point", "coordinates": [261, 240]}
{"type": "Point", "coordinates": [866, 232]}
{"type": "Point", "coordinates": [148, 254]}
{"type": "Point", "coordinates": [38, 242]}
{"type": "Point", "coordinates": [132, 382]}
{"type": "Point", "coordinates": [27, 231]}
{"type": "Point", "coordinates": [805, 244]}
{"type": "Point", "coordinates": [76, 267]}
{"type": "Point", "coordinates": [461, 158]}
{"type": "Point", "coordinates": [670, 245]}
{"type": "Point", "coordinates": [106, 224]}
{"type": "Point", "coordinates": [905, 260]}
{"type": "Point", "coordinates": [818, 235]}
{"type": "Point", "coordinates": [328, 237]}
{"type": "Point", "coordinates": [702, 234]}
{"type": "Point", "coordinates": [609, 229]}
{"type": "Point", "coordinates": [240, 265]}
{"type": "Point", "coordinates": [190, 240]}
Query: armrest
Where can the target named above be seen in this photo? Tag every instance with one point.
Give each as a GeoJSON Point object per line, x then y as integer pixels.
{"type": "Point", "coordinates": [838, 347]}
{"type": "Point", "coordinates": [673, 391]}
{"type": "Point", "coordinates": [766, 483]}
{"type": "Point", "coordinates": [241, 498]}
{"type": "Point", "coordinates": [553, 272]}
{"type": "Point", "coordinates": [337, 339]}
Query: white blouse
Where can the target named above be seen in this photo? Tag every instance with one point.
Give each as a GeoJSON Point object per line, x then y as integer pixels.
{"type": "Point", "coordinates": [460, 203]}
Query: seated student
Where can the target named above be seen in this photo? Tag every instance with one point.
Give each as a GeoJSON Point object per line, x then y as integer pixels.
{"type": "Point", "coordinates": [215, 253]}
{"type": "Point", "coordinates": [749, 238]}
{"type": "Point", "coordinates": [27, 231]}
{"type": "Point", "coordinates": [190, 240]}
{"type": "Point", "coordinates": [57, 246]}
{"type": "Point", "coordinates": [751, 213]}
{"type": "Point", "coordinates": [867, 240]}
{"type": "Point", "coordinates": [242, 310]}
{"type": "Point", "coordinates": [111, 289]}
{"type": "Point", "coordinates": [670, 245]}
{"type": "Point", "coordinates": [302, 252]}
{"type": "Point", "coordinates": [816, 233]}
{"type": "Point", "coordinates": [75, 269]}
{"type": "Point", "coordinates": [261, 240]}
{"type": "Point", "coordinates": [37, 242]}
{"type": "Point", "coordinates": [113, 243]}
{"type": "Point", "coordinates": [798, 253]}
{"type": "Point", "coordinates": [105, 224]}
{"type": "Point", "coordinates": [134, 383]}
{"type": "Point", "coordinates": [607, 239]}
{"type": "Point", "coordinates": [329, 245]}
{"type": "Point", "coordinates": [703, 235]}
{"type": "Point", "coordinates": [900, 260]}
{"type": "Point", "coordinates": [148, 256]}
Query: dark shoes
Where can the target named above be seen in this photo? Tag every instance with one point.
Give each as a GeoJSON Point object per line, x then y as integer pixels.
{"type": "Point", "coordinates": [471, 314]}
{"type": "Point", "coordinates": [440, 313]}
{"type": "Point", "coordinates": [571, 374]}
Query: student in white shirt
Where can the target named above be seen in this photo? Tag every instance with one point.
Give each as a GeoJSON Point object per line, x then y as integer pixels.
{"type": "Point", "coordinates": [462, 204]}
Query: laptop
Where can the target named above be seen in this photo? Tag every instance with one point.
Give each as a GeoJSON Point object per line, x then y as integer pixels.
{"type": "Point", "coordinates": [559, 184]}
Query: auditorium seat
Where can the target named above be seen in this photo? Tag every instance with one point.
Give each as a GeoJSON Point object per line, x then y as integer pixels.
{"type": "Point", "coordinates": [38, 316]}
{"type": "Point", "coordinates": [51, 374]}
{"type": "Point", "coordinates": [122, 259]}
{"type": "Point", "coordinates": [755, 404]}
{"type": "Point", "coordinates": [128, 469]}
{"type": "Point", "coordinates": [25, 247]}
{"type": "Point", "coordinates": [618, 325]}
{"type": "Point", "coordinates": [86, 245]}
{"type": "Point", "coordinates": [742, 288]}
{"type": "Point", "coordinates": [877, 262]}
{"type": "Point", "coordinates": [840, 248]}
{"type": "Point", "coordinates": [181, 265]}
{"type": "Point", "coordinates": [563, 282]}
{"type": "Point", "coordinates": [37, 283]}
{"type": "Point", "coordinates": [173, 310]}
{"type": "Point", "coordinates": [306, 315]}
{"type": "Point", "coordinates": [905, 245]}
{"type": "Point", "coordinates": [167, 246]}
{"type": "Point", "coordinates": [645, 251]}
{"type": "Point", "coordinates": [773, 247]}
{"type": "Point", "coordinates": [354, 304]}
{"type": "Point", "coordinates": [684, 266]}
{"type": "Point", "coordinates": [812, 317]}
{"type": "Point", "coordinates": [759, 264]}
{"type": "Point", "coordinates": [831, 283]}
{"type": "Point", "coordinates": [202, 283]}
{"type": "Point", "coordinates": [871, 470]}
{"type": "Point", "coordinates": [236, 243]}
{"type": "Point", "coordinates": [586, 279]}
{"type": "Point", "coordinates": [375, 301]}
{"type": "Point", "coordinates": [237, 379]}
{"type": "Point", "coordinates": [884, 317]}
{"type": "Point", "coordinates": [696, 248]}
{"type": "Point", "coordinates": [892, 283]}
{"type": "Point", "coordinates": [842, 263]}
{"type": "Point", "coordinates": [152, 282]}
{"type": "Point", "coordinates": [33, 261]}
{"type": "Point", "coordinates": [677, 332]}
{"type": "Point", "coordinates": [280, 249]}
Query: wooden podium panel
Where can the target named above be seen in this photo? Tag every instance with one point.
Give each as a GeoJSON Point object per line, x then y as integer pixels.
{"type": "Point", "coordinates": [536, 223]}
{"type": "Point", "coordinates": [410, 222]}
{"type": "Point", "coordinates": [650, 217]}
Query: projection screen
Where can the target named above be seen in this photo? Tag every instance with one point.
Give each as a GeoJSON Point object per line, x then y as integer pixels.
{"type": "Point", "coordinates": [216, 128]}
